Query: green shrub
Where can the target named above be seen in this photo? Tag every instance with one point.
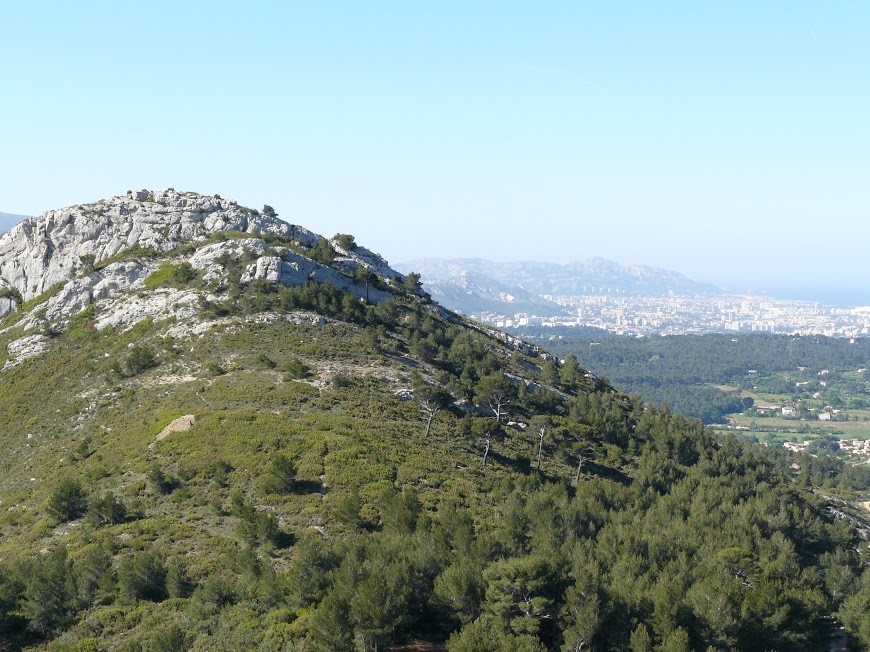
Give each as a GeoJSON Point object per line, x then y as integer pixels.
{"type": "Point", "coordinates": [171, 275]}
{"type": "Point", "coordinates": [143, 576]}
{"type": "Point", "coordinates": [139, 359]}
{"type": "Point", "coordinates": [295, 369]}
{"type": "Point", "coordinates": [11, 293]}
{"type": "Point", "coordinates": [345, 241]}
{"type": "Point", "coordinates": [161, 482]}
{"type": "Point", "coordinates": [214, 368]}
{"type": "Point", "coordinates": [281, 476]}
{"type": "Point", "coordinates": [67, 501]}
{"type": "Point", "coordinates": [106, 509]}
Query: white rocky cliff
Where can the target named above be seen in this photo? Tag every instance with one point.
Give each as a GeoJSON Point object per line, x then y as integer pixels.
{"type": "Point", "coordinates": [101, 254]}
{"type": "Point", "coordinates": [47, 249]}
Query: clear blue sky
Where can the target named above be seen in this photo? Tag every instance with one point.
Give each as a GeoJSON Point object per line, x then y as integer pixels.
{"type": "Point", "coordinates": [726, 140]}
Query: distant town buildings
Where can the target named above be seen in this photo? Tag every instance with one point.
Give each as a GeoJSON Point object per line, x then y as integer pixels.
{"type": "Point", "coordinates": [852, 447]}
{"type": "Point", "coordinates": [855, 446]}
{"type": "Point", "coordinates": [679, 315]}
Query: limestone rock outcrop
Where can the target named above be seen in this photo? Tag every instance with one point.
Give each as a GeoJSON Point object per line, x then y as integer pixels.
{"type": "Point", "coordinates": [24, 349]}
{"type": "Point", "coordinates": [79, 293]}
{"type": "Point", "coordinates": [7, 305]}
{"type": "Point", "coordinates": [53, 247]}
{"type": "Point", "coordinates": [101, 254]}
{"type": "Point", "coordinates": [291, 268]}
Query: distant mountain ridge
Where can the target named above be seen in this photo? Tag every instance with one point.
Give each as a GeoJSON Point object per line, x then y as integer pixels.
{"type": "Point", "coordinates": [8, 220]}
{"type": "Point", "coordinates": [591, 276]}
{"type": "Point", "coordinates": [470, 292]}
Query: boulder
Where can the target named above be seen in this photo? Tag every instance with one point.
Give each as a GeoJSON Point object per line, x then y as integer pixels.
{"type": "Point", "coordinates": [24, 349]}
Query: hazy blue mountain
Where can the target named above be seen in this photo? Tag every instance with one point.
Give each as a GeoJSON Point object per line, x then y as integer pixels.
{"type": "Point", "coordinates": [470, 292]}
{"type": "Point", "coordinates": [592, 276]}
{"type": "Point", "coordinates": [8, 220]}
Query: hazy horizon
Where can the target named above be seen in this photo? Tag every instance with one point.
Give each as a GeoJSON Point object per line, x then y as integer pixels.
{"type": "Point", "coordinates": [725, 141]}
{"type": "Point", "coordinates": [835, 296]}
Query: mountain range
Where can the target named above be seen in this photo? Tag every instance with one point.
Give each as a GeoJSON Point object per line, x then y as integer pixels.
{"type": "Point", "coordinates": [473, 285]}
{"type": "Point", "coordinates": [470, 292]}
{"type": "Point", "coordinates": [592, 276]}
{"type": "Point", "coordinates": [222, 431]}
{"type": "Point", "coordinates": [8, 220]}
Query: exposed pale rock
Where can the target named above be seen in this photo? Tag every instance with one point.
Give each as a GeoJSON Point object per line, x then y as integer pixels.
{"type": "Point", "coordinates": [79, 293]}
{"type": "Point", "coordinates": [206, 257]}
{"type": "Point", "coordinates": [362, 257]}
{"type": "Point", "coordinates": [24, 349]}
{"type": "Point", "coordinates": [56, 247]}
{"type": "Point", "coordinates": [44, 250]}
{"type": "Point", "coordinates": [269, 269]}
{"type": "Point", "coordinates": [126, 311]}
{"type": "Point", "coordinates": [181, 424]}
{"type": "Point", "coordinates": [195, 328]}
{"type": "Point", "coordinates": [295, 269]}
{"type": "Point", "coordinates": [7, 305]}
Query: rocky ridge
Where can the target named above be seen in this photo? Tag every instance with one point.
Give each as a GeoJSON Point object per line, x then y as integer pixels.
{"type": "Point", "coordinates": [44, 250]}
{"type": "Point", "coordinates": [99, 255]}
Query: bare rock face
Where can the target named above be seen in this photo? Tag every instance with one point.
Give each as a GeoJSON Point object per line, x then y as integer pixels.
{"type": "Point", "coordinates": [79, 293]}
{"type": "Point", "coordinates": [209, 256]}
{"type": "Point", "coordinates": [351, 259]}
{"type": "Point", "coordinates": [292, 269]}
{"type": "Point", "coordinates": [100, 255]}
{"type": "Point", "coordinates": [24, 349]}
{"type": "Point", "coordinates": [7, 305]}
{"type": "Point", "coordinates": [45, 250]}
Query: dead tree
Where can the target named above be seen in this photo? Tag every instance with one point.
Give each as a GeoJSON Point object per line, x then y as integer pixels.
{"type": "Point", "coordinates": [431, 400]}
{"type": "Point", "coordinates": [584, 455]}
{"type": "Point", "coordinates": [484, 434]}
{"type": "Point", "coordinates": [429, 407]}
{"type": "Point", "coordinates": [487, 440]}
{"type": "Point", "coordinates": [497, 403]}
{"type": "Point", "coordinates": [541, 445]}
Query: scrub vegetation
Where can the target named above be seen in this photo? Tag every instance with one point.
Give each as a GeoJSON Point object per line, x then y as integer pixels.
{"type": "Point", "coordinates": [362, 476]}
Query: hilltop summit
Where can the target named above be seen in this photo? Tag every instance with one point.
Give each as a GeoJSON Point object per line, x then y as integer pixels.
{"type": "Point", "coordinates": [94, 252]}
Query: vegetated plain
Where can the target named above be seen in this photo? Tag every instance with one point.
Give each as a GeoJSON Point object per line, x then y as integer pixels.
{"type": "Point", "coordinates": [360, 477]}
{"type": "Point", "coordinates": [743, 380]}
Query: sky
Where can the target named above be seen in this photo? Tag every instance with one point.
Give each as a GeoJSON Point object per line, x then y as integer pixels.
{"type": "Point", "coordinates": [729, 141]}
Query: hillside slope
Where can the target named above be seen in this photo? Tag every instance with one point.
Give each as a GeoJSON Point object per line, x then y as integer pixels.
{"type": "Point", "coordinates": [224, 432]}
